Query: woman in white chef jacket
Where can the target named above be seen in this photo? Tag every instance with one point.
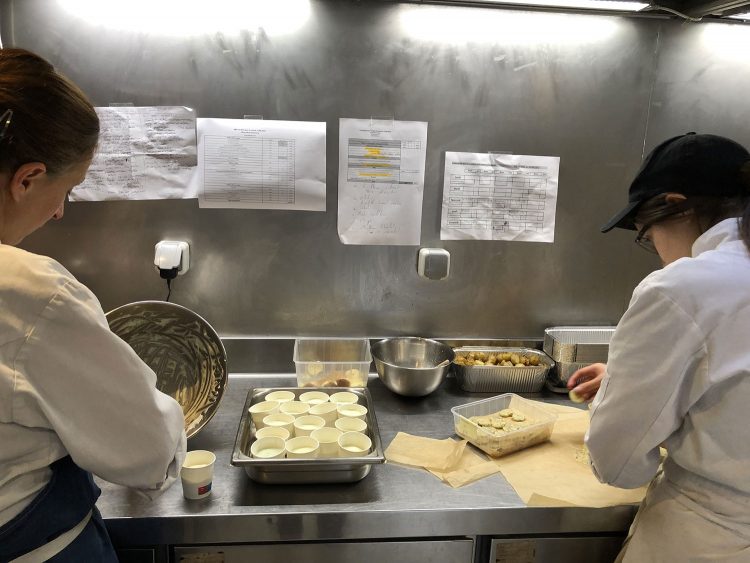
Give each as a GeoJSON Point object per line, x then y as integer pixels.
{"type": "Point", "coordinates": [678, 372]}
{"type": "Point", "coordinates": [74, 398]}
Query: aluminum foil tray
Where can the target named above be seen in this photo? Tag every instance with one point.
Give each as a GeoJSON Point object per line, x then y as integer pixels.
{"type": "Point", "coordinates": [502, 379]}
{"type": "Point", "coordinates": [305, 471]}
{"type": "Point", "coordinates": [573, 348]}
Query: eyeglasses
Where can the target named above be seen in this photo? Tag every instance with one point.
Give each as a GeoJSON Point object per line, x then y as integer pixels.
{"type": "Point", "coordinates": [644, 241]}
{"type": "Point", "coordinates": [5, 123]}
{"type": "Point", "coordinates": [658, 210]}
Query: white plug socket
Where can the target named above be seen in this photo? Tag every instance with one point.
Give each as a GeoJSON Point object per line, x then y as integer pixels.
{"type": "Point", "coordinates": [433, 263]}
{"type": "Point", "coordinates": [170, 254]}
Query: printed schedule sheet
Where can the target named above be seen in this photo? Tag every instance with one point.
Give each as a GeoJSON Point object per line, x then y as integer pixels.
{"type": "Point", "coordinates": [490, 196]}
{"type": "Point", "coordinates": [262, 164]}
{"type": "Point", "coordinates": [381, 181]}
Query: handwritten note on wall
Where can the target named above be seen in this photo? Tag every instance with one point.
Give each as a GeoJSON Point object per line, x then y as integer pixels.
{"type": "Point", "coordinates": [143, 153]}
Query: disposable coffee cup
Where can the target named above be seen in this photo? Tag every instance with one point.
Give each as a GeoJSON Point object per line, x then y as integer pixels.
{"type": "Point", "coordinates": [273, 432]}
{"type": "Point", "coordinates": [294, 408]}
{"type": "Point", "coordinates": [280, 396]}
{"type": "Point", "coordinates": [280, 420]}
{"type": "Point", "coordinates": [268, 448]}
{"type": "Point", "coordinates": [344, 397]}
{"type": "Point", "coordinates": [304, 425]}
{"type": "Point", "coordinates": [351, 424]}
{"type": "Point", "coordinates": [328, 438]}
{"type": "Point", "coordinates": [354, 444]}
{"type": "Point", "coordinates": [327, 411]}
{"type": "Point", "coordinates": [259, 411]}
{"type": "Point", "coordinates": [314, 397]}
{"type": "Point", "coordinates": [197, 474]}
{"type": "Point", "coordinates": [347, 410]}
{"type": "Point", "coordinates": [302, 447]}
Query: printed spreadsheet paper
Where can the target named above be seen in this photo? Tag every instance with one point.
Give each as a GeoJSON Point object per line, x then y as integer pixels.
{"type": "Point", "coordinates": [144, 153]}
{"type": "Point", "coordinates": [381, 181]}
{"type": "Point", "coordinates": [499, 197]}
{"type": "Point", "coordinates": [262, 164]}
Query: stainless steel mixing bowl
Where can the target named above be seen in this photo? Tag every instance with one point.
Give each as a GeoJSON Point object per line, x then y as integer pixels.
{"type": "Point", "coordinates": [411, 366]}
{"type": "Point", "coordinates": [184, 351]}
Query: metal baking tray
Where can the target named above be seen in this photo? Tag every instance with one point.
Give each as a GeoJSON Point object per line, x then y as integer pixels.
{"type": "Point", "coordinates": [502, 379]}
{"type": "Point", "coordinates": [575, 347]}
{"type": "Point", "coordinates": [305, 471]}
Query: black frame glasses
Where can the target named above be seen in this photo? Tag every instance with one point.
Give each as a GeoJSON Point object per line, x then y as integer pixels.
{"type": "Point", "coordinates": [644, 241]}
{"type": "Point", "coordinates": [658, 210]}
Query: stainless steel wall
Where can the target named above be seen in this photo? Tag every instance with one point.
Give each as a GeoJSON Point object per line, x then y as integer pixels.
{"type": "Point", "coordinates": [591, 89]}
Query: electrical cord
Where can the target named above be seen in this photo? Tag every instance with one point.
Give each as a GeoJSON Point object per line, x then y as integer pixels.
{"type": "Point", "coordinates": [675, 12]}
{"type": "Point", "coordinates": [168, 275]}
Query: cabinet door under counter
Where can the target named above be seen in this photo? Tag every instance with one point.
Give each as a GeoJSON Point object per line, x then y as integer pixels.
{"type": "Point", "coordinates": [455, 550]}
{"type": "Point", "coordinates": [575, 549]}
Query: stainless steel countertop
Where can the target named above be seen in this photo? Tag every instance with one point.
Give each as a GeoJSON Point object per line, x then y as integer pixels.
{"type": "Point", "coordinates": [391, 502]}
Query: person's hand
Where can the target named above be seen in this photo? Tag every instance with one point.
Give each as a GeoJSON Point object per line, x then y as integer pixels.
{"type": "Point", "coordinates": [586, 381]}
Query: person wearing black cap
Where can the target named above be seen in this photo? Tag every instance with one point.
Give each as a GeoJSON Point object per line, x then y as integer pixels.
{"type": "Point", "coordinates": [678, 372]}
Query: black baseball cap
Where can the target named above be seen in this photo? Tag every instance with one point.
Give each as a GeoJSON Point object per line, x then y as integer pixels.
{"type": "Point", "coordinates": [690, 164]}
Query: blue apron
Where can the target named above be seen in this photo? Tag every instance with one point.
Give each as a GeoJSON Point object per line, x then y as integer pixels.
{"type": "Point", "coordinates": [63, 503]}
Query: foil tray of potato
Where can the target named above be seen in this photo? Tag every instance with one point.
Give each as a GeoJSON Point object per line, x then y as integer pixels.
{"type": "Point", "coordinates": [501, 370]}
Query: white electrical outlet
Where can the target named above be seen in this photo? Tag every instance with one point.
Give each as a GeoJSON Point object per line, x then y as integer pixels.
{"type": "Point", "coordinates": [433, 263]}
{"type": "Point", "coordinates": [171, 254]}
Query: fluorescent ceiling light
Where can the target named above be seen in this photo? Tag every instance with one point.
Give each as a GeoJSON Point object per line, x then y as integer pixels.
{"type": "Point", "coordinates": [727, 41]}
{"type": "Point", "coordinates": [180, 18]}
{"type": "Point", "coordinates": [614, 5]}
{"type": "Point", "coordinates": [464, 26]}
{"type": "Point", "coordinates": [743, 16]}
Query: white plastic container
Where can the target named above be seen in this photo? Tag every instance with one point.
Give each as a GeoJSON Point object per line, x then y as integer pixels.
{"type": "Point", "coordinates": [499, 445]}
{"type": "Point", "coordinates": [332, 362]}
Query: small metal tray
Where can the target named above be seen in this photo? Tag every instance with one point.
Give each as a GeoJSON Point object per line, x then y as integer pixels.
{"type": "Point", "coordinates": [305, 471]}
{"type": "Point", "coordinates": [573, 348]}
{"type": "Point", "coordinates": [502, 379]}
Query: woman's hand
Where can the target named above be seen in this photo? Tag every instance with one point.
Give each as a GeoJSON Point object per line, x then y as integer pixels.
{"type": "Point", "coordinates": [586, 381]}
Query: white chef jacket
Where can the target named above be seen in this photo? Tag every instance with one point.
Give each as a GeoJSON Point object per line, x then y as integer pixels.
{"type": "Point", "coordinates": [678, 375]}
{"type": "Point", "coordinates": [69, 386]}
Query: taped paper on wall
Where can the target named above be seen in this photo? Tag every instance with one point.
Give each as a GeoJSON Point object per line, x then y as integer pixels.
{"type": "Point", "coordinates": [143, 153]}
{"type": "Point", "coordinates": [381, 181]}
{"type": "Point", "coordinates": [499, 197]}
{"type": "Point", "coordinates": [262, 164]}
